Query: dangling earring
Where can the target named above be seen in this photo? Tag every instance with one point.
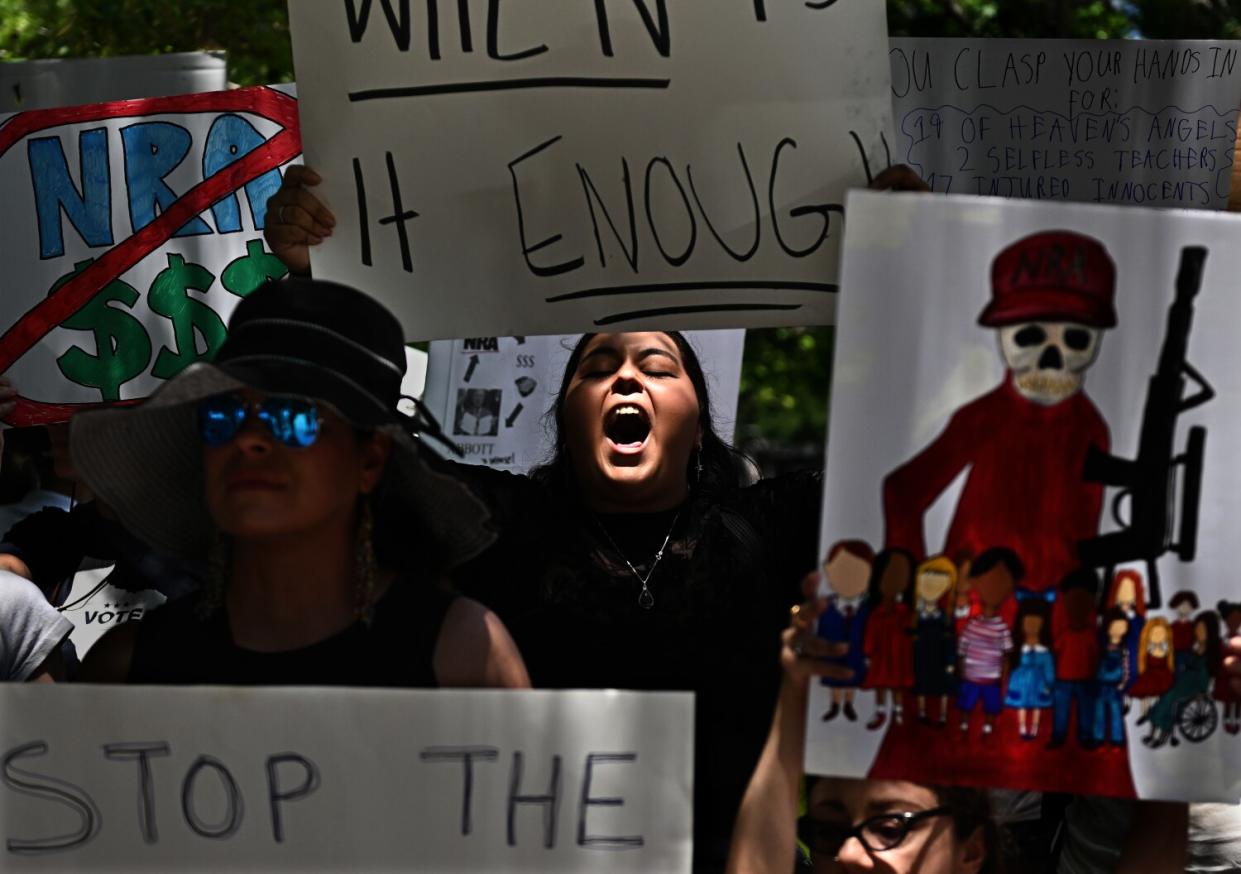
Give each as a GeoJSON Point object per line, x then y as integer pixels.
{"type": "Point", "coordinates": [211, 596]}
{"type": "Point", "coordinates": [698, 466]}
{"type": "Point", "coordinates": [364, 561]}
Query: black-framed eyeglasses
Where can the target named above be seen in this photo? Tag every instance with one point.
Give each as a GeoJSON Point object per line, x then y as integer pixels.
{"type": "Point", "coordinates": [887, 831]}
{"type": "Point", "coordinates": [293, 421]}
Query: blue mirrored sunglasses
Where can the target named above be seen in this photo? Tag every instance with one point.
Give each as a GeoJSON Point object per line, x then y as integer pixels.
{"type": "Point", "coordinates": [292, 421]}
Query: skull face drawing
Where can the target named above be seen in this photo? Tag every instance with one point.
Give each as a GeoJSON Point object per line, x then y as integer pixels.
{"type": "Point", "coordinates": [1025, 442]}
{"type": "Point", "coordinates": [1049, 360]}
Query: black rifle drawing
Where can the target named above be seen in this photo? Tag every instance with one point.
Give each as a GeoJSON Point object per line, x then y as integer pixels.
{"type": "Point", "coordinates": [1149, 481]}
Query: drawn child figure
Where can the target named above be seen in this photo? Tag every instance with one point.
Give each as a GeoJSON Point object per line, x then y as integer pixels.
{"type": "Point", "coordinates": [986, 638]}
{"type": "Point", "coordinates": [1075, 645]}
{"type": "Point", "coordinates": [1033, 671]}
{"type": "Point", "coordinates": [1128, 593]}
{"type": "Point", "coordinates": [888, 644]}
{"type": "Point", "coordinates": [1230, 612]}
{"type": "Point", "coordinates": [1155, 665]}
{"type": "Point", "coordinates": [847, 570]}
{"type": "Point", "coordinates": [935, 643]}
{"type": "Point", "coordinates": [1184, 603]}
{"type": "Point", "coordinates": [1194, 673]}
{"type": "Point", "coordinates": [1112, 678]}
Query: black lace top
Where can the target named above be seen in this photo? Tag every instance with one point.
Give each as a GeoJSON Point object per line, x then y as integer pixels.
{"type": "Point", "coordinates": [731, 570]}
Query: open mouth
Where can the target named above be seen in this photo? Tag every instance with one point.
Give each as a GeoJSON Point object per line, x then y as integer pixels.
{"type": "Point", "coordinates": [627, 426]}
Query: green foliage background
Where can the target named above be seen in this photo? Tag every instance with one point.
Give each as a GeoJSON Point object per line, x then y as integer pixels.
{"type": "Point", "coordinates": [786, 371]}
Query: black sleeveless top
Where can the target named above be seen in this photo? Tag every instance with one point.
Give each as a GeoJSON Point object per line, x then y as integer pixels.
{"type": "Point", "coordinates": [173, 646]}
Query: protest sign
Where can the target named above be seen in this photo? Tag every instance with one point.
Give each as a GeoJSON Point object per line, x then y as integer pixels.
{"type": "Point", "coordinates": [47, 83]}
{"type": "Point", "coordinates": [494, 395]}
{"type": "Point", "coordinates": [552, 167]}
{"type": "Point", "coordinates": [134, 228]}
{"type": "Point", "coordinates": [1041, 502]}
{"type": "Point", "coordinates": [1102, 121]}
{"type": "Point", "coordinates": [170, 779]}
{"type": "Point", "coordinates": [95, 606]}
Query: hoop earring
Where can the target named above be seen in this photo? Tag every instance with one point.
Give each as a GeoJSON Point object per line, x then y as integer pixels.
{"type": "Point", "coordinates": [211, 596]}
{"type": "Point", "coordinates": [365, 564]}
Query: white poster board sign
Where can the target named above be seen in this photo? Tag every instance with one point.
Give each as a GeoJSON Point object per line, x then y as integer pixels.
{"type": "Point", "coordinates": [133, 230]}
{"type": "Point", "coordinates": [237, 779]}
{"type": "Point", "coordinates": [1057, 382]}
{"type": "Point", "coordinates": [494, 395]}
{"type": "Point", "coordinates": [1099, 121]}
{"type": "Point", "coordinates": [552, 166]}
{"type": "Point", "coordinates": [52, 82]}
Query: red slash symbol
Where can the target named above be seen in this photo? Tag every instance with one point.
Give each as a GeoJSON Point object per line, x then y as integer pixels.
{"type": "Point", "coordinates": [73, 295]}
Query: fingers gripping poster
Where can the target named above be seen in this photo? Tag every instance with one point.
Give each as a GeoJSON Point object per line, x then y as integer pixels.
{"type": "Point", "coordinates": [1029, 529]}
{"type": "Point", "coordinates": [135, 229]}
{"type": "Point", "coordinates": [555, 166]}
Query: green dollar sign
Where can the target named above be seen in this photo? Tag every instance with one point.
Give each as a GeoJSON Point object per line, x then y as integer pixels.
{"type": "Point", "coordinates": [169, 297]}
{"type": "Point", "coordinates": [252, 269]}
{"type": "Point", "coordinates": [122, 347]}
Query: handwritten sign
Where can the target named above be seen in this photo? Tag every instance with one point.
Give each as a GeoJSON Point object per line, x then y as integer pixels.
{"type": "Point", "coordinates": [1040, 474]}
{"type": "Point", "coordinates": [162, 779]}
{"type": "Point", "coordinates": [1116, 121]}
{"type": "Point", "coordinates": [551, 167]}
{"type": "Point", "coordinates": [134, 229]}
{"type": "Point", "coordinates": [494, 395]}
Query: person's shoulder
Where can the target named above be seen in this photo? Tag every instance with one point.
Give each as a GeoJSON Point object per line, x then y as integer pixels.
{"type": "Point", "coordinates": [475, 649]}
{"type": "Point", "coordinates": [19, 593]}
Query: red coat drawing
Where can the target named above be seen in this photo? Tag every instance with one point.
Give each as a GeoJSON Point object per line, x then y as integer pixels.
{"type": "Point", "coordinates": [890, 648]}
{"type": "Point", "coordinates": [1024, 489]}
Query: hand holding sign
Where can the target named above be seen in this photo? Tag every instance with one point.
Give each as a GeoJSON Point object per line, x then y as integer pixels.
{"type": "Point", "coordinates": [297, 220]}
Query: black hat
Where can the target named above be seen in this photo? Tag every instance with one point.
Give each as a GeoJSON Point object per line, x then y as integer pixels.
{"type": "Point", "coordinates": [303, 337]}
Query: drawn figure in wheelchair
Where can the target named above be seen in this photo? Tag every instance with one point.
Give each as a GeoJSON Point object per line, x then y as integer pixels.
{"type": "Point", "coordinates": [1187, 707]}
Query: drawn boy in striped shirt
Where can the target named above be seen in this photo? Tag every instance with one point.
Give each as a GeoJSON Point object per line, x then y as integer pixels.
{"type": "Point", "coordinates": [994, 575]}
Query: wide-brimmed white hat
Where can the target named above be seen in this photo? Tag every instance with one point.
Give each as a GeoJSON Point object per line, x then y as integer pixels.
{"type": "Point", "coordinates": [303, 337]}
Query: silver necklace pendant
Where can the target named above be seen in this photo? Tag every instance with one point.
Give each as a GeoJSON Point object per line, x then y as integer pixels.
{"type": "Point", "coordinates": [646, 600]}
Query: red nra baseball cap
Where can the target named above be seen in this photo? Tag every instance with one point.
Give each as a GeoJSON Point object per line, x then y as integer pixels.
{"type": "Point", "coordinates": [1057, 276]}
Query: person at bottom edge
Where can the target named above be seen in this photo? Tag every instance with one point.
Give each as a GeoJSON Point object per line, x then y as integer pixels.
{"type": "Point", "coordinates": [849, 825]}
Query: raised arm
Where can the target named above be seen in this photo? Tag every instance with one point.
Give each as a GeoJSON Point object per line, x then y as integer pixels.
{"type": "Point", "coordinates": [765, 836]}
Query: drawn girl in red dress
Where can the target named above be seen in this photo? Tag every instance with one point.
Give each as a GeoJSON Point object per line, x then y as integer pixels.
{"type": "Point", "coordinates": [888, 644]}
{"type": "Point", "coordinates": [1155, 665]}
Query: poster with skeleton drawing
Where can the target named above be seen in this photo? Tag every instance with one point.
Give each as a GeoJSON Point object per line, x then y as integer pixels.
{"type": "Point", "coordinates": [1032, 498]}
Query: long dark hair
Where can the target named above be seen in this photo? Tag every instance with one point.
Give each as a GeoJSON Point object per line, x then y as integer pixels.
{"type": "Point", "coordinates": [723, 467]}
{"type": "Point", "coordinates": [880, 569]}
{"type": "Point", "coordinates": [1210, 619]}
